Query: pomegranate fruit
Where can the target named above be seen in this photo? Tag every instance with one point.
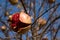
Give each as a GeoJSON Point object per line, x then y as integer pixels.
{"type": "Point", "coordinates": [41, 21]}
{"type": "Point", "coordinates": [13, 2]}
{"type": "Point", "coordinates": [20, 21]}
{"type": "Point", "coordinates": [51, 1]}
{"type": "Point", "coordinates": [3, 28]}
{"type": "Point", "coordinates": [45, 38]}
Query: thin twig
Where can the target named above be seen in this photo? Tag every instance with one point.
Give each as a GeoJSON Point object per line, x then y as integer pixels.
{"type": "Point", "coordinates": [49, 26]}
{"type": "Point", "coordinates": [45, 12]}
{"type": "Point", "coordinates": [23, 6]}
{"type": "Point", "coordinates": [56, 33]}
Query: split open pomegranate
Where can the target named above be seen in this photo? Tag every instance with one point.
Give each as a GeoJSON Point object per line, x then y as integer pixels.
{"type": "Point", "coordinates": [20, 21]}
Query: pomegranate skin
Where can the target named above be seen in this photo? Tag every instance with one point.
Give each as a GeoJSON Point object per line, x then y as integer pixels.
{"type": "Point", "coordinates": [25, 18]}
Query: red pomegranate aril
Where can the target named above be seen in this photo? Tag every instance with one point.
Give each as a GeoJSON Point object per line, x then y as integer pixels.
{"type": "Point", "coordinates": [15, 17]}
